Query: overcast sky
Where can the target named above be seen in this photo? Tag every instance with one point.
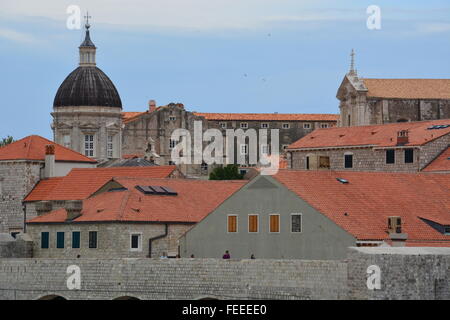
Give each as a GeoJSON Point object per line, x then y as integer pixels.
{"type": "Point", "coordinates": [286, 56]}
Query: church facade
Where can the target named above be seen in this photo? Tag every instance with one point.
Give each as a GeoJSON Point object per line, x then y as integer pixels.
{"type": "Point", "coordinates": [379, 101]}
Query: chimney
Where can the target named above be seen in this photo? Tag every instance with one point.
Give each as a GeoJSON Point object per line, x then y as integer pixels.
{"type": "Point", "coordinates": [43, 207]}
{"type": "Point", "coordinates": [151, 105]}
{"type": "Point", "coordinates": [49, 169]}
{"type": "Point", "coordinates": [73, 208]}
{"type": "Point", "coordinates": [402, 137]}
{"type": "Point", "coordinates": [395, 232]}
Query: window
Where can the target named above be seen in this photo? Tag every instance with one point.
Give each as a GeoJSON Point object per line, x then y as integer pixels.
{"type": "Point", "coordinates": [232, 223]}
{"type": "Point", "coordinates": [60, 240]}
{"type": "Point", "coordinates": [390, 156]}
{"type": "Point", "coordinates": [274, 223]}
{"type": "Point", "coordinates": [409, 155]}
{"type": "Point", "coordinates": [324, 162]}
{"type": "Point", "coordinates": [349, 120]}
{"type": "Point", "coordinates": [265, 149]}
{"type": "Point", "coordinates": [135, 242]}
{"type": "Point", "coordinates": [307, 126]}
{"type": "Point", "coordinates": [110, 147]}
{"type": "Point", "coordinates": [307, 162]}
{"type": "Point", "coordinates": [285, 125]}
{"type": "Point", "coordinates": [264, 125]}
{"type": "Point", "coordinates": [447, 230]}
{"type": "Point", "coordinates": [244, 125]}
{"type": "Point", "coordinates": [284, 147]}
{"type": "Point", "coordinates": [1, 186]}
{"type": "Point", "coordinates": [348, 161]}
{"type": "Point", "coordinates": [66, 140]}
{"type": "Point", "coordinates": [89, 145]}
{"type": "Point", "coordinates": [76, 239]}
{"type": "Point", "coordinates": [92, 239]}
{"type": "Point", "coordinates": [244, 149]}
{"type": "Point", "coordinates": [204, 166]}
{"type": "Point", "coordinates": [172, 118]}
{"type": "Point", "coordinates": [45, 237]}
{"type": "Point", "coordinates": [296, 222]}
{"type": "Point", "coordinates": [15, 231]}
{"type": "Point", "coordinates": [223, 125]}
{"type": "Point", "coordinates": [252, 223]}
{"type": "Point", "coordinates": [172, 143]}
{"type": "Point", "coordinates": [324, 125]}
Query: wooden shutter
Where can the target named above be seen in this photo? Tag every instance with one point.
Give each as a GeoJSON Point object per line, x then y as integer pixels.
{"type": "Point", "coordinates": [274, 223]}
{"type": "Point", "coordinates": [253, 223]}
{"type": "Point", "coordinates": [232, 223]}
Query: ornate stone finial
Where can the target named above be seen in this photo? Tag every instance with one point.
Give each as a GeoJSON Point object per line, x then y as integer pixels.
{"type": "Point", "coordinates": [352, 63]}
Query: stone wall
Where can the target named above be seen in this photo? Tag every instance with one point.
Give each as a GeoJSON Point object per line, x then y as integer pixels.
{"type": "Point", "coordinates": [405, 273]}
{"type": "Point", "coordinates": [19, 247]}
{"type": "Point", "coordinates": [174, 279]}
{"type": "Point", "coordinates": [17, 179]}
{"type": "Point", "coordinates": [113, 239]}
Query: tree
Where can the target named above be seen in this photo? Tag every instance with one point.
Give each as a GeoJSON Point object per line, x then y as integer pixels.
{"type": "Point", "coordinates": [6, 141]}
{"type": "Point", "coordinates": [230, 172]}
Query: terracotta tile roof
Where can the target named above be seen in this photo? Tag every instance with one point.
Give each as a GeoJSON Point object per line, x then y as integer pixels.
{"type": "Point", "coordinates": [132, 156]}
{"type": "Point", "coordinates": [33, 148]}
{"type": "Point", "coordinates": [374, 135]}
{"type": "Point", "coordinates": [128, 116]}
{"type": "Point", "coordinates": [188, 205]}
{"type": "Point", "coordinates": [408, 88]}
{"type": "Point", "coordinates": [441, 163]}
{"type": "Point", "coordinates": [80, 183]}
{"type": "Point", "coordinates": [268, 116]}
{"type": "Point", "coordinates": [363, 205]}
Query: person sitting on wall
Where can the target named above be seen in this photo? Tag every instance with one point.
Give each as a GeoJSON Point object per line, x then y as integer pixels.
{"type": "Point", "coordinates": [226, 255]}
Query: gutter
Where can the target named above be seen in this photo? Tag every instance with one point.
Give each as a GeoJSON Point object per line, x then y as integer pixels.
{"type": "Point", "coordinates": [166, 231]}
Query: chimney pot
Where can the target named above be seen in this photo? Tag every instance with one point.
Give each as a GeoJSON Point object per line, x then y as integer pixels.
{"type": "Point", "coordinates": [402, 137]}
{"type": "Point", "coordinates": [152, 105]}
{"type": "Point", "coordinates": [49, 169]}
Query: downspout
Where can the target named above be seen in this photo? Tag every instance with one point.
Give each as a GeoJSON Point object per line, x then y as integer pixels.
{"type": "Point", "coordinates": [166, 231]}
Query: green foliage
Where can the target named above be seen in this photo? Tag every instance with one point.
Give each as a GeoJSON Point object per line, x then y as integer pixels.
{"type": "Point", "coordinates": [6, 141]}
{"type": "Point", "coordinates": [229, 172]}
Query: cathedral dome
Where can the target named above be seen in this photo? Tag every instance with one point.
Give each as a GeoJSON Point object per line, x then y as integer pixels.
{"type": "Point", "coordinates": [87, 86]}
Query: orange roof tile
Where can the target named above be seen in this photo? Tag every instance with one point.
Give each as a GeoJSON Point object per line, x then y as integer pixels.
{"type": "Point", "coordinates": [33, 148]}
{"type": "Point", "coordinates": [362, 206]}
{"type": "Point", "coordinates": [374, 135]}
{"type": "Point", "coordinates": [408, 88]}
{"type": "Point", "coordinates": [80, 183]}
{"type": "Point", "coordinates": [268, 116]}
{"type": "Point", "coordinates": [441, 163]}
{"type": "Point", "coordinates": [188, 205]}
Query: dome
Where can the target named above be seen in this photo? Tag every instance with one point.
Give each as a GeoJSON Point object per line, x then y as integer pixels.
{"type": "Point", "coordinates": [87, 86]}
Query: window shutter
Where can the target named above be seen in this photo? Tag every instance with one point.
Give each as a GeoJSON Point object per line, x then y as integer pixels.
{"type": "Point", "coordinates": [274, 223]}
{"type": "Point", "coordinates": [232, 225]}
{"type": "Point", "coordinates": [253, 223]}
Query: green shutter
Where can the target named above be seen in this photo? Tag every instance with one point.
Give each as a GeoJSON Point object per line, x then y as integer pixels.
{"type": "Point", "coordinates": [76, 239]}
{"type": "Point", "coordinates": [44, 240]}
{"type": "Point", "coordinates": [60, 240]}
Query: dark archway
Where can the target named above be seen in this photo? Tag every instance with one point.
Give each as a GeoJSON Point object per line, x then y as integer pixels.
{"type": "Point", "coordinates": [126, 298]}
{"type": "Point", "coordinates": [52, 297]}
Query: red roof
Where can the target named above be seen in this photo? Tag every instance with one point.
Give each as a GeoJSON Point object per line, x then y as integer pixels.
{"type": "Point", "coordinates": [268, 116]}
{"type": "Point", "coordinates": [383, 135]}
{"type": "Point", "coordinates": [362, 206]}
{"type": "Point", "coordinates": [33, 148]}
{"type": "Point", "coordinates": [129, 116]}
{"type": "Point", "coordinates": [408, 88]}
{"type": "Point", "coordinates": [441, 163]}
{"type": "Point", "coordinates": [188, 205]}
{"type": "Point", "coordinates": [80, 183]}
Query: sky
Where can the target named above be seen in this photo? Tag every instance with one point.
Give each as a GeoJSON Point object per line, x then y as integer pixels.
{"type": "Point", "coordinates": [286, 56]}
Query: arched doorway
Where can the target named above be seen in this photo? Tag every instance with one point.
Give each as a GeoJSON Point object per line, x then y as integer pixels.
{"type": "Point", "coordinates": [52, 297]}
{"type": "Point", "coordinates": [126, 298]}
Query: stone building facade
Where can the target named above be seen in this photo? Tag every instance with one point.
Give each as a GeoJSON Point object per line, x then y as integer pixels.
{"type": "Point", "coordinates": [149, 133]}
{"type": "Point", "coordinates": [372, 148]}
{"type": "Point", "coordinates": [379, 101]}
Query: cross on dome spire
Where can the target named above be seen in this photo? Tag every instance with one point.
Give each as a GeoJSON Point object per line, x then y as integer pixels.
{"type": "Point", "coordinates": [87, 48]}
{"type": "Point", "coordinates": [87, 16]}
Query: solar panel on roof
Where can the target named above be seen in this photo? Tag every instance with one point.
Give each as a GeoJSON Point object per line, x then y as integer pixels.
{"type": "Point", "coordinates": [145, 189]}
{"type": "Point", "coordinates": [157, 190]}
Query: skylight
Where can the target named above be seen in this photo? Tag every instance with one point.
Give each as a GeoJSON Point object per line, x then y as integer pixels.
{"type": "Point", "coordinates": [157, 190]}
{"type": "Point", "coordinates": [442, 126]}
{"type": "Point", "coordinates": [341, 180]}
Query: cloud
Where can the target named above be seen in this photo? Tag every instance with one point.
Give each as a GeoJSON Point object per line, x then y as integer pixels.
{"type": "Point", "coordinates": [17, 36]}
{"type": "Point", "coordinates": [434, 27]}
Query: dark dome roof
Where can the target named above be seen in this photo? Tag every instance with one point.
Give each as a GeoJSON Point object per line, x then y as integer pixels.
{"type": "Point", "coordinates": [87, 86]}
